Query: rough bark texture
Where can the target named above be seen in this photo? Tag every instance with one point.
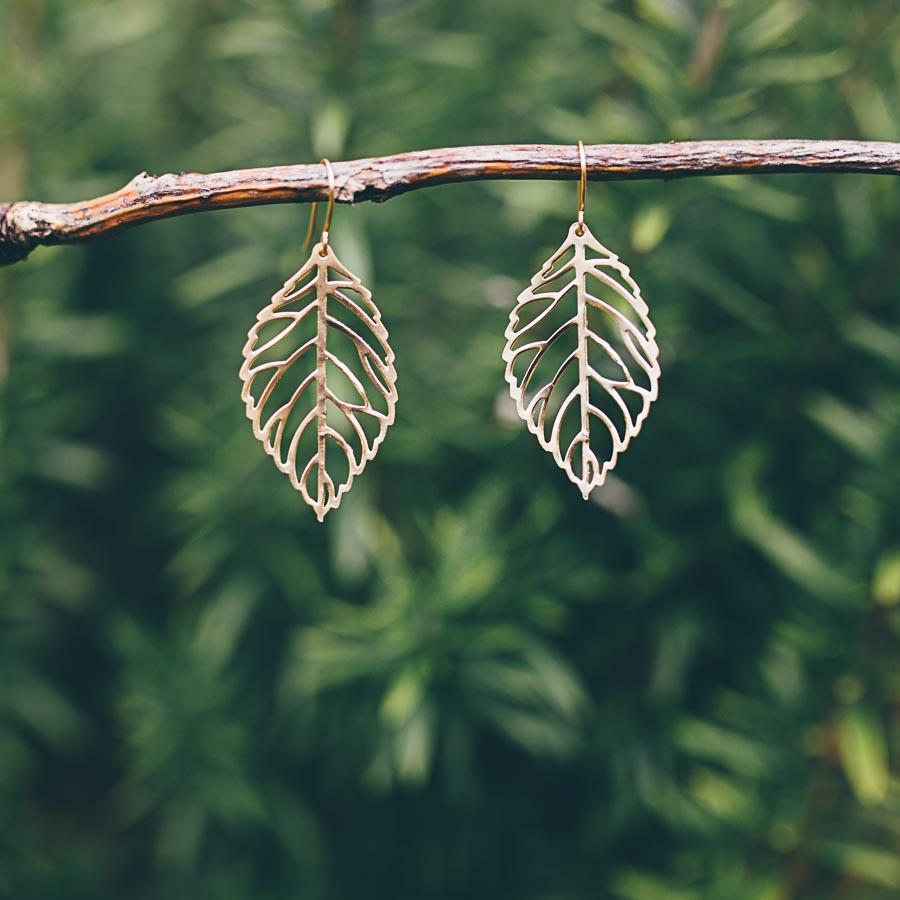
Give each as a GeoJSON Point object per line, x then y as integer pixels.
{"type": "Point", "coordinates": [26, 225]}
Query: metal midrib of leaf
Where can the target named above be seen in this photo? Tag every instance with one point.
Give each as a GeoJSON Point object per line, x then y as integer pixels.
{"type": "Point", "coordinates": [583, 368]}
{"type": "Point", "coordinates": [321, 369]}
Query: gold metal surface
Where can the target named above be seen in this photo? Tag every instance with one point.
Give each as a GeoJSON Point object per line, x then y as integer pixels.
{"type": "Point", "coordinates": [315, 206]}
{"type": "Point", "coordinates": [582, 188]}
{"type": "Point", "coordinates": [589, 377]}
{"type": "Point", "coordinates": [323, 290]}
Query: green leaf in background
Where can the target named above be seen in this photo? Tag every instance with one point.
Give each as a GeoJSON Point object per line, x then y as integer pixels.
{"type": "Point", "coordinates": [864, 754]}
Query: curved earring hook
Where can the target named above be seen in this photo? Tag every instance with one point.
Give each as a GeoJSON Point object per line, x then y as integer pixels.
{"type": "Point", "coordinates": [313, 209]}
{"type": "Point", "coordinates": [582, 189]}
{"type": "Point", "coordinates": [330, 209]}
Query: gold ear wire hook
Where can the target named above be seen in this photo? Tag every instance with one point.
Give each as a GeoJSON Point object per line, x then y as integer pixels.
{"type": "Point", "coordinates": [582, 189]}
{"type": "Point", "coordinates": [330, 210]}
{"type": "Point", "coordinates": [313, 209]}
{"type": "Point", "coordinates": [311, 228]}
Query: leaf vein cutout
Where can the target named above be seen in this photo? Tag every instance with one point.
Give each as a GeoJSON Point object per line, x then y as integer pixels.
{"type": "Point", "coordinates": [311, 477]}
{"type": "Point", "coordinates": [537, 382]}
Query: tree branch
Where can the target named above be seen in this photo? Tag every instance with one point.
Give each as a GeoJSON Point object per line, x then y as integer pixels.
{"type": "Point", "coordinates": [24, 226]}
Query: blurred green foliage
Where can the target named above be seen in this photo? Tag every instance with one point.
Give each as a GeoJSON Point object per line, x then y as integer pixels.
{"type": "Point", "coordinates": [468, 682]}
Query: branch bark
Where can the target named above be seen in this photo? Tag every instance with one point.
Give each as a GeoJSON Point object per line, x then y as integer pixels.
{"type": "Point", "coordinates": [26, 225]}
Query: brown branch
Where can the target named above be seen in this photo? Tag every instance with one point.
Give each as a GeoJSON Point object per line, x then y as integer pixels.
{"type": "Point", "coordinates": [24, 226]}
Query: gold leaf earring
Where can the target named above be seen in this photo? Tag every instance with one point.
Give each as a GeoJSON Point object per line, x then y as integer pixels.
{"type": "Point", "coordinates": [583, 379]}
{"type": "Point", "coordinates": [319, 382]}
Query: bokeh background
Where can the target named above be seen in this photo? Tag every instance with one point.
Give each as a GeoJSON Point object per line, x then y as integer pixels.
{"type": "Point", "coordinates": [468, 682]}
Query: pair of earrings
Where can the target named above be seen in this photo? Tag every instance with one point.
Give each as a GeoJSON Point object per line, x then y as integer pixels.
{"type": "Point", "coordinates": [582, 380]}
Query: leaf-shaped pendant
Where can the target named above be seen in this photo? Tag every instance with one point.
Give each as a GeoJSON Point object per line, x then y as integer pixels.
{"type": "Point", "coordinates": [321, 417]}
{"type": "Point", "coordinates": [583, 379]}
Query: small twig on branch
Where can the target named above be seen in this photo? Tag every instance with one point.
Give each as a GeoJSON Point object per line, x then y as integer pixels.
{"type": "Point", "coordinates": [25, 225]}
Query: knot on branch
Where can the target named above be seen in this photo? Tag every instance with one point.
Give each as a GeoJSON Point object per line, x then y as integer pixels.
{"type": "Point", "coordinates": [13, 246]}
